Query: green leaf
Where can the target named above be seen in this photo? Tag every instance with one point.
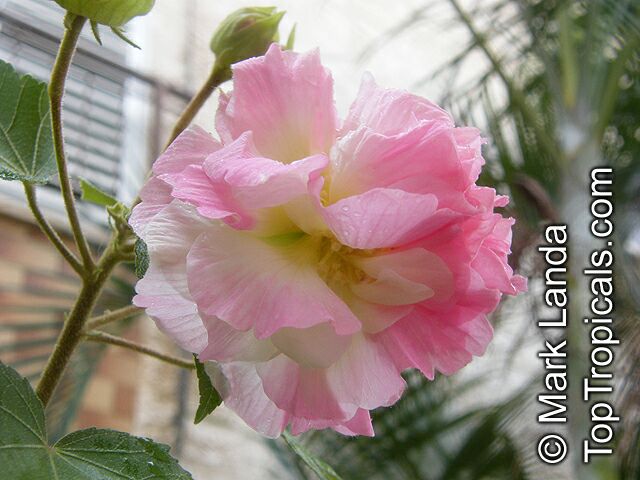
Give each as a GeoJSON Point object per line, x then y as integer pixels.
{"type": "Point", "coordinates": [93, 194]}
{"type": "Point", "coordinates": [83, 455]}
{"type": "Point", "coordinates": [26, 142]}
{"type": "Point", "coordinates": [142, 258]}
{"type": "Point", "coordinates": [114, 13]}
{"type": "Point", "coordinates": [322, 469]}
{"type": "Point", "coordinates": [209, 396]}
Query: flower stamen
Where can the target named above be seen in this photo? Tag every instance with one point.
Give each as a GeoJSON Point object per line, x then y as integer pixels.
{"type": "Point", "coordinates": [335, 264]}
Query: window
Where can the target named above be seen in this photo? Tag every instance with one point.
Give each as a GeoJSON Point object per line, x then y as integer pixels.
{"type": "Point", "coordinates": [113, 115]}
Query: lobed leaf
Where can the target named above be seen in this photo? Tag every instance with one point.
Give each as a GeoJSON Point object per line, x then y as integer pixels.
{"type": "Point", "coordinates": [26, 141]}
{"type": "Point", "coordinates": [83, 455]}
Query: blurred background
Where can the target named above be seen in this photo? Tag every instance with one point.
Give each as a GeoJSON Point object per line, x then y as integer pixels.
{"type": "Point", "coordinates": [554, 86]}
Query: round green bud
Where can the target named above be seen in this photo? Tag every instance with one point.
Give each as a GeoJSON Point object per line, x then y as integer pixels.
{"type": "Point", "coordinates": [113, 13]}
{"type": "Point", "coordinates": [245, 33]}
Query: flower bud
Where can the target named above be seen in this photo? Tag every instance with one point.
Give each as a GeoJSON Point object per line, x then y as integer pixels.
{"type": "Point", "coordinates": [113, 13]}
{"type": "Point", "coordinates": [245, 33]}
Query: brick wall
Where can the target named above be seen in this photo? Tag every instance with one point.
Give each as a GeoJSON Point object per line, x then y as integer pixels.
{"type": "Point", "coordinates": [36, 288]}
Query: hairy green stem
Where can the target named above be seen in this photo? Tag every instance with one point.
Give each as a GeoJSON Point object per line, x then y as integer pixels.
{"type": "Point", "coordinates": [48, 230]}
{"type": "Point", "coordinates": [102, 337]}
{"type": "Point", "coordinates": [56, 92]}
{"type": "Point", "coordinates": [109, 317]}
{"type": "Point", "coordinates": [73, 327]}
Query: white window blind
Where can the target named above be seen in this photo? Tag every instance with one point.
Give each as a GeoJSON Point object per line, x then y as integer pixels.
{"type": "Point", "coordinates": [113, 116]}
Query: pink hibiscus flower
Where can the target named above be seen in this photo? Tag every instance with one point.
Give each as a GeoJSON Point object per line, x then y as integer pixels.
{"type": "Point", "coordinates": [314, 261]}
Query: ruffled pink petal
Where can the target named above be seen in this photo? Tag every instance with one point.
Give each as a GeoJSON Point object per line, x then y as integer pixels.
{"type": "Point", "coordinates": [303, 392]}
{"type": "Point", "coordinates": [233, 184]}
{"type": "Point", "coordinates": [469, 143]}
{"type": "Point", "coordinates": [416, 265]}
{"type": "Point", "coordinates": [313, 347]}
{"type": "Point", "coordinates": [444, 335]}
{"type": "Point", "coordinates": [286, 100]}
{"type": "Point", "coordinates": [390, 288]}
{"type": "Point", "coordinates": [249, 283]}
{"type": "Point", "coordinates": [373, 316]}
{"type": "Point", "coordinates": [304, 211]}
{"type": "Point", "coordinates": [488, 239]}
{"type": "Point", "coordinates": [500, 238]}
{"type": "Point", "coordinates": [190, 148]}
{"type": "Point", "coordinates": [432, 342]}
{"type": "Point", "coordinates": [193, 186]}
{"type": "Point", "coordinates": [242, 390]}
{"type": "Point", "coordinates": [226, 344]}
{"type": "Point", "coordinates": [491, 261]}
{"type": "Point", "coordinates": [366, 375]}
{"type": "Point", "coordinates": [391, 112]}
{"type": "Point", "coordinates": [496, 273]}
{"type": "Point", "coordinates": [360, 424]}
{"type": "Point", "coordinates": [423, 160]}
{"type": "Point", "coordinates": [172, 232]}
{"type": "Point", "coordinates": [162, 294]}
{"type": "Point", "coordinates": [501, 201]}
{"type": "Point", "coordinates": [520, 283]}
{"type": "Point", "coordinates": [472, 299]}
{"type": "Point", "coordinates": [154, 196]}
{"type": "Point", "coordinates": [163, 291]}
{"type": "Point", "coordinates": [380, 218]}
{"type": "Point", "coordinates": [472, 295]}
{"type": "Point", "coordinates": [257, 182]}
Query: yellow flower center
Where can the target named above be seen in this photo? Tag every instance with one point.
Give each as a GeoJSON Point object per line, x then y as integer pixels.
{"type": "Point", "coordinates": [336, 266]}
{"type": "Point", "coordinates": [333, 261]}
